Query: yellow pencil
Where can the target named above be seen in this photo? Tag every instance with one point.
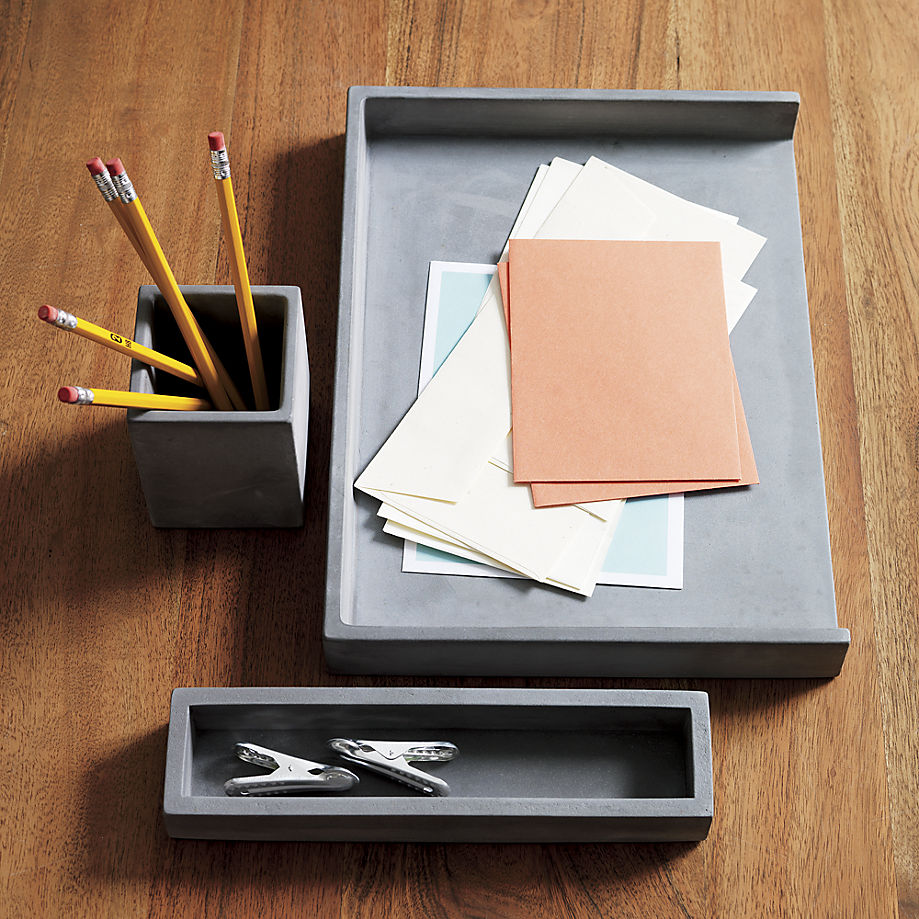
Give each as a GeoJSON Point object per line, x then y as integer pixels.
{"type": "Point", "coordinates": [93, 332]}
{"type": "Point", "coordinates": [106, 186]}
{"type": "Point", "coordinates": [230, 219]}
{"type": "Point", "coordinates": [79, 395]}
{"type": "Point", "coordinates": [187, 323]}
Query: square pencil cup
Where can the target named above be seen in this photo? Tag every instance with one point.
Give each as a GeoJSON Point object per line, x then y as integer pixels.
{"type": "Point", "coordinates": [224, 468]}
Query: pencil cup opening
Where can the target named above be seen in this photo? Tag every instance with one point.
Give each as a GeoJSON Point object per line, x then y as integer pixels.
{"type": "Point", "coordinates": [218, 316]}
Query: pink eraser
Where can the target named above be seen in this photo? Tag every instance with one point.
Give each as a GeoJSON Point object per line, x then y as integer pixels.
{"type": "Point", "coordinates": [68, 394]}
{"type": "Point", "coordinates": [95, 166]}
{"type": "Point", "coordinates": [215, 140]}
{"type": "Point", "coordinates": [115, 166]}
{"type": "Point", "coordinates": [48, 313]}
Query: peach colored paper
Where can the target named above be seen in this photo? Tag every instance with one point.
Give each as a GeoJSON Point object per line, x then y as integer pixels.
{"type": "Point", "coordinates": [620, 367]}
{"type": "Point", "coordinates": [552, 494]}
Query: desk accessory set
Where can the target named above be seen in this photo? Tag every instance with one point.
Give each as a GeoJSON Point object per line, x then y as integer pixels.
{"type": "Point", "coordinates": [754, 597]}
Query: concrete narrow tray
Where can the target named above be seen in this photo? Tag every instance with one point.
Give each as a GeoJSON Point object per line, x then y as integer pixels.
{"type": "Point", "coordinates": [534, 765]}
{"type": "Point", "coordinates": [439, 174]}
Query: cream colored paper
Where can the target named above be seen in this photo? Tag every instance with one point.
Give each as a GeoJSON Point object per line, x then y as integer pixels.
{"type": "Point", "coordinates": [442, 443]}
{"type": "Point", "coordinates": [498, 519]}
{"type": "Point", "coordinates": [576, 569]}
{"type": "Point", "coordinates": [599, 187]}
{"type": "Point", "coordinates": [595, 191]}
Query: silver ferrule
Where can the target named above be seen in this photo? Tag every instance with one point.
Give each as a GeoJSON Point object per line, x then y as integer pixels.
{"type": "Point", "coordinates": [124, 188]}
{"type": "Point", "coordinates": [65, 320]}
{"type": "Point", "coordinates": [84, 396]}
{"type": "Point", "coordinates": [105, 184]}
{"type": "Point", "coordinates": [220, 163]}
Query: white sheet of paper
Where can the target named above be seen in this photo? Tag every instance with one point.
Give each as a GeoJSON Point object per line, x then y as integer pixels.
{"type": "Point", "coordinates": [581, 214]}
{"type": "Point", "coordinates": [442, 443]}
{"type": "Point", "coordinates": [594, 190]}
{"type": "Point", "coordinates": [576, 569]}
{"type": "Point", "coordinates": [553, 186]}
{"type": "Point", "coordinates": [597, 205]}
{"type": "Point", "coordinates": [427, 538]}
{"type": "Point", "coordinates": [497, 517]}
{"type": "Point", "coordinates": [737, 297]}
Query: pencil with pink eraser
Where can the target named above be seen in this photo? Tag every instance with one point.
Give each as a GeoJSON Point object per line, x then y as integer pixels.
{"type": "Point", "coordinates": [61, 319]}
{"type": "Point", "coordinates": [220, 163]}
{"type": "Point", "coordinates": [82, 395]}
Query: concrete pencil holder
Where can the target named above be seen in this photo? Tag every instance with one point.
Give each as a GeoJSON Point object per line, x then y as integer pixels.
{"type": "Point", "coordinates": [214, 468]}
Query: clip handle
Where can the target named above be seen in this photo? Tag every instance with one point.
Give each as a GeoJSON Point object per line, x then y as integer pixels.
{"type": "Point", "coordinates": [329, 778]}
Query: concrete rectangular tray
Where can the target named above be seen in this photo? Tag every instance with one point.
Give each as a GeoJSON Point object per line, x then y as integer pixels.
{"type": "Point", "coordinates": [439, 174]}
{"type": "Point", "coordinates": [535, 765]}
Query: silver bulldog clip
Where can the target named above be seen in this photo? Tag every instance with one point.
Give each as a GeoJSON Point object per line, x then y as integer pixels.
{"type": "Point", "coordinates": [394, 758]}
{"type": "Point", "coordinates": [290, 774]}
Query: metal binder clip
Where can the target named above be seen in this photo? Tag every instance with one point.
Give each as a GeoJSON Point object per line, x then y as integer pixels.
{"type": "Point", "coordinates": [393, 759]}
{"type": "Point", "coordinates": [290, 774]}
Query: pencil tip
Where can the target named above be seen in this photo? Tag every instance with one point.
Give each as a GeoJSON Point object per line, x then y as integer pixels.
{"type": "Point", "coordinates": [215, 140]}
{"type": "Point", "coordinates": [48, 313]}
{"type": "Point", "coordinates": [68, 394]}
{"type": "Point", "coordinates": [95, 166]}
{"type": "Point", "coordinates": [115, 166]}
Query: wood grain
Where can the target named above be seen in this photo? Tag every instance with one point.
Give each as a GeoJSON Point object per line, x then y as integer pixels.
{"type": "Point", "coordinates": [876, 119]}
{"type": "Point", "coordinates": [103, 615]}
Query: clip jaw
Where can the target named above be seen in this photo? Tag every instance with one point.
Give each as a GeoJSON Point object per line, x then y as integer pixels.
{"type": "Point", "coordinates": [393, 759]}
{"type": "Point", "coordinates": [289, 775]}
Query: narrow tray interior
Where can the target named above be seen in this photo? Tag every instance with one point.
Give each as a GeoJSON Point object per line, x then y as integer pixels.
{"type": "Point", "coordinates": [505, 751]}
{"type": "Point", "coordinates": [754, 557]}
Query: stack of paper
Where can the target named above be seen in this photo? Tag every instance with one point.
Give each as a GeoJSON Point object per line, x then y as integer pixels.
{"type": "Point", "coordinates": [622, 382]}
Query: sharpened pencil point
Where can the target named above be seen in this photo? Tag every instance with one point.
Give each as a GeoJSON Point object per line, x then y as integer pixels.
{"type": "Point", "coordinates": [68, 394]}
{"type": "Point", "coordinates": [215, 140]}
{"type": "Point", "coordinates": [95, 166]}
{"type": "Point", "coordinates": [115, 166]}
{"type": "Point", "coordinates": [48, 313]}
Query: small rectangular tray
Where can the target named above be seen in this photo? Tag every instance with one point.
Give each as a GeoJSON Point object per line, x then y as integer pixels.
{"type": "Point", "coordinates": [439, 174]}
{"type": "Point", "coordinates": [535, 765]}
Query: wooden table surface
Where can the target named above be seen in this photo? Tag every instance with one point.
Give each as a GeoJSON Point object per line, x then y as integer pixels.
{"type": "Point", "coordinates": [101, 615]}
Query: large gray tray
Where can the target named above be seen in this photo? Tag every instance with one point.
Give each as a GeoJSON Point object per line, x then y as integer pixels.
{"type": "Point", "coordinates": [535, 765]}
{"type": "Point", "coordinates": [440, 174]}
